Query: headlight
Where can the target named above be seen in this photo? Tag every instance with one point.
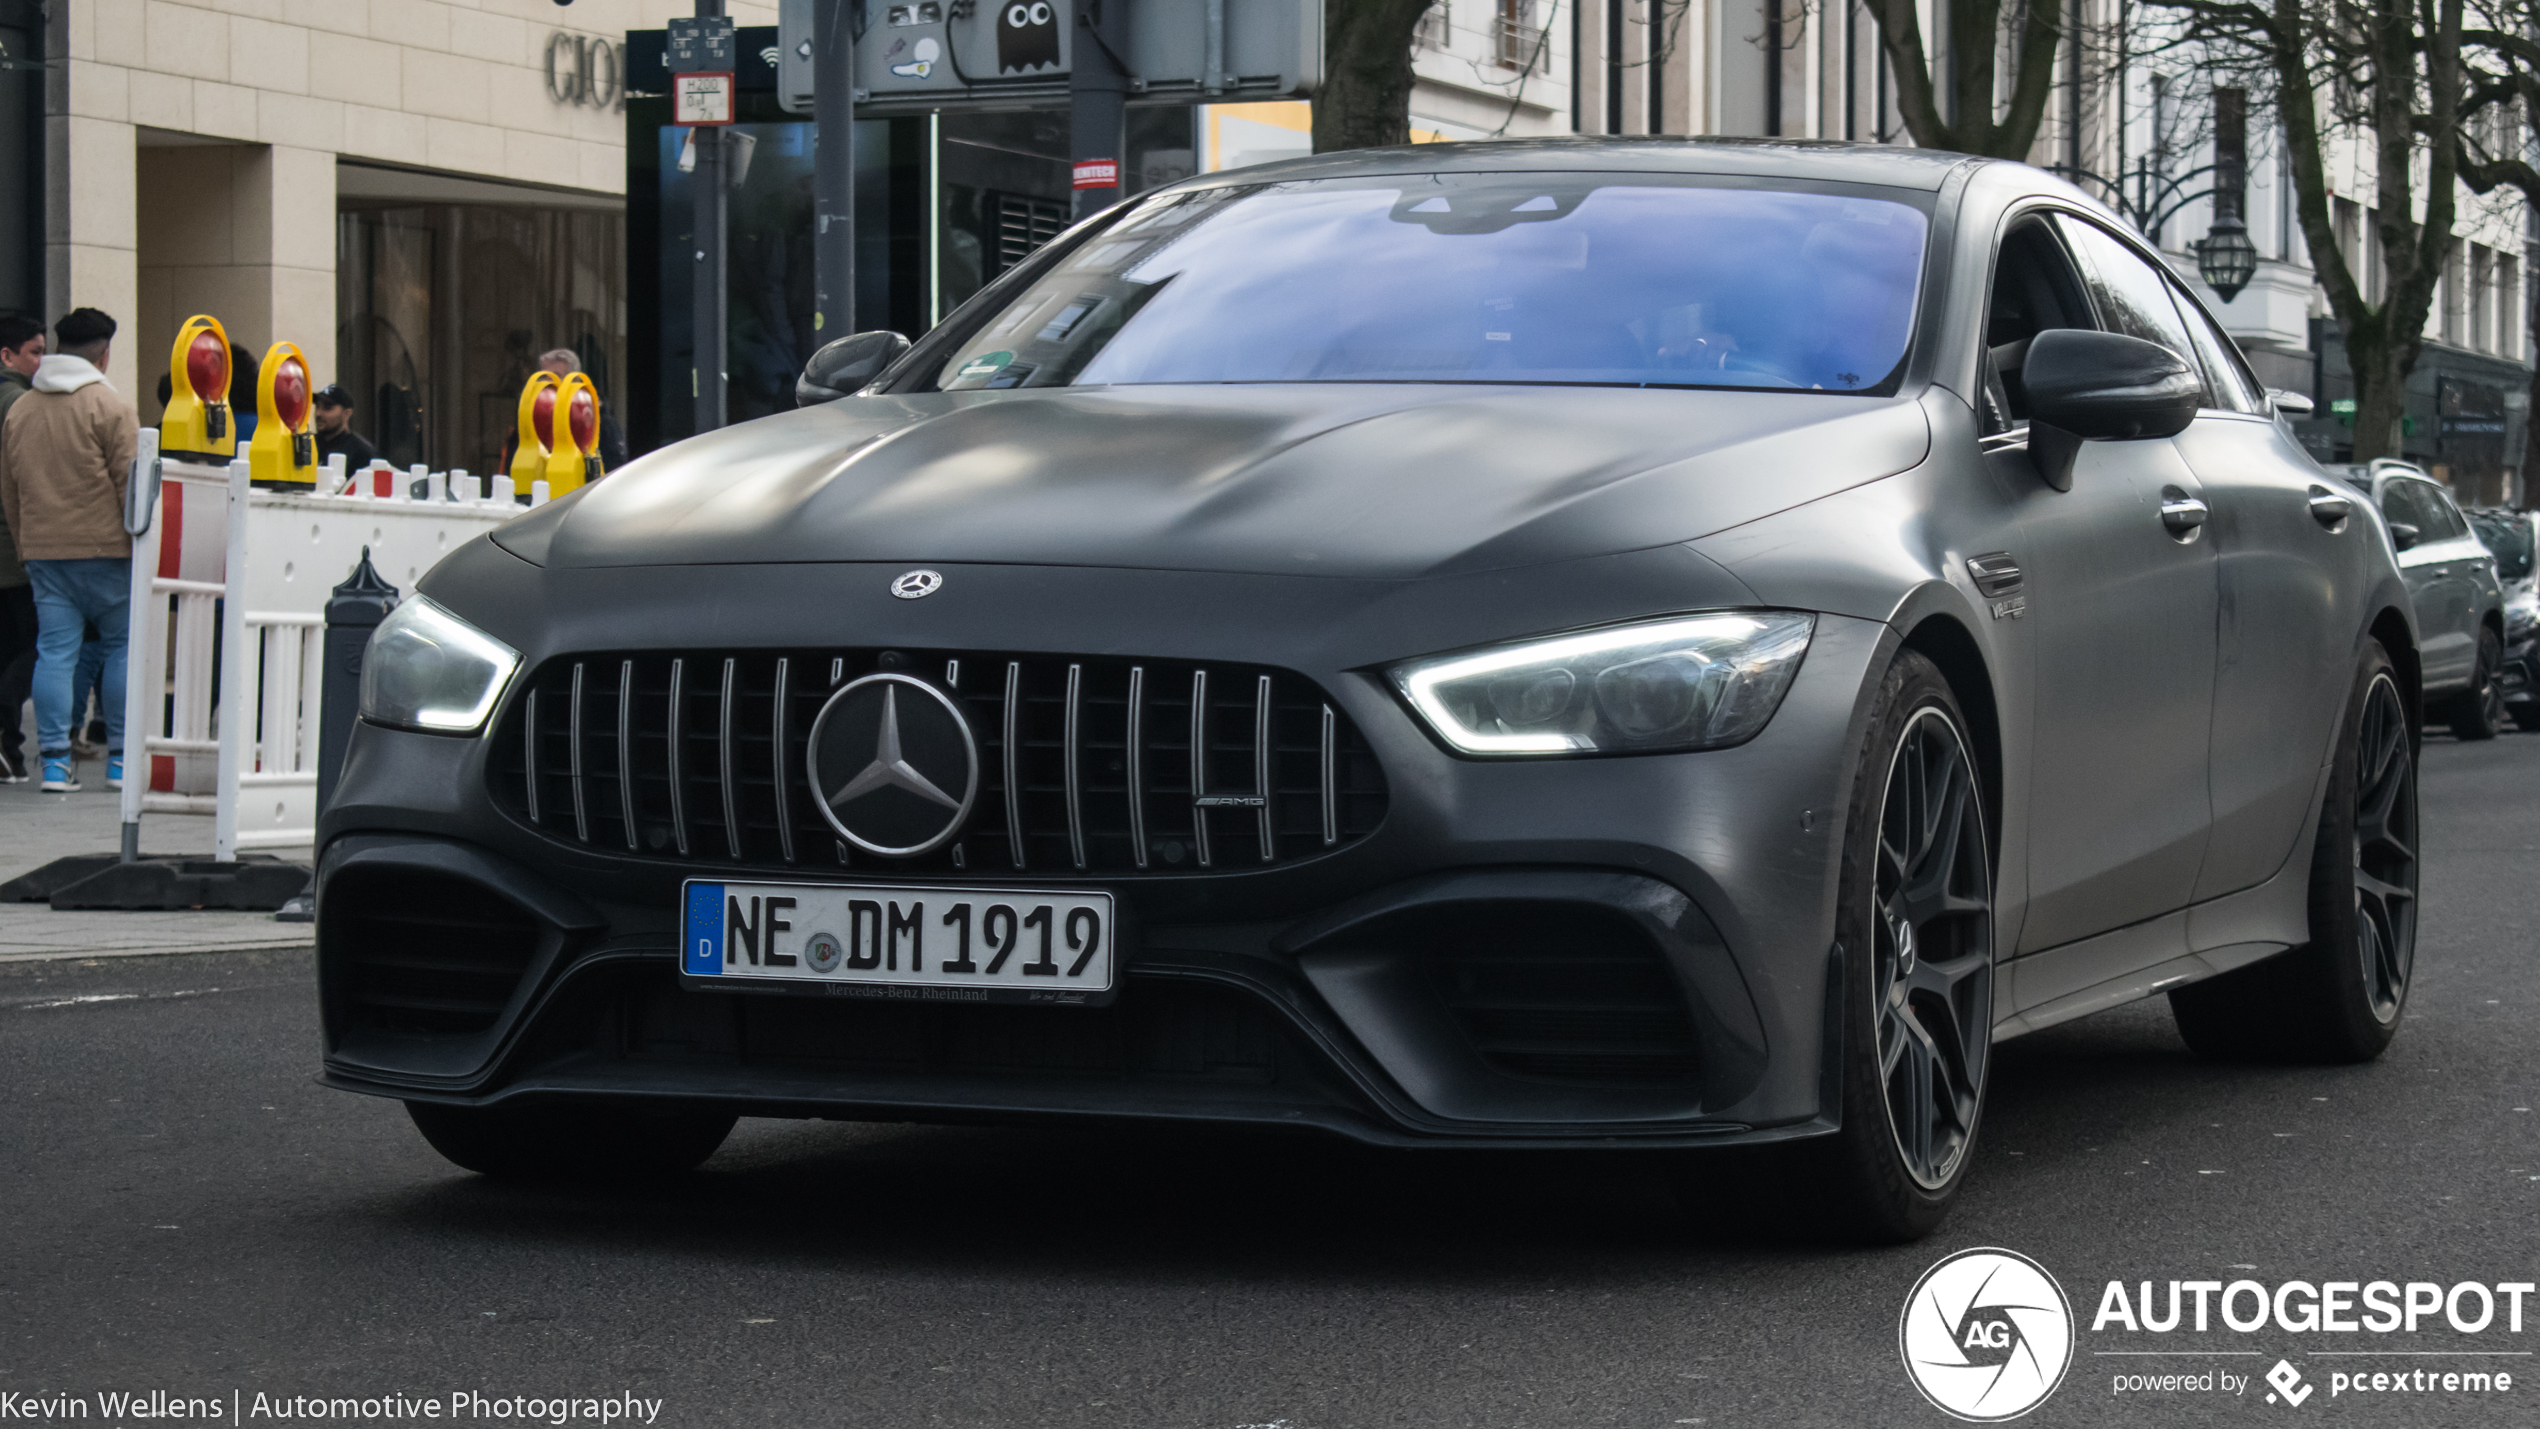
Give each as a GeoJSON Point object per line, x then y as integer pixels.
{"type": "Point", "coordinates": [2522, 612]}
{"type": "Point", "coordinates": [1693, 682]}
{"type": "Point", "coordinates": [428, 669]}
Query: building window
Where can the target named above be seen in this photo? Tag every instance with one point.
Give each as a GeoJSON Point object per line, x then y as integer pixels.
{"type": "Point", "coordinates": [442, 311]}
{"type": "Point", "coordinates": [2509, 323]}
{"type": "Point", "coordinates": [2455, 297]}
{"type": "Point", "coordinates": [2482, 297]}
{"type": "Point", "coordinates": [1437, 26]}
{"type": "Point", "coordinates": [1518, 40]}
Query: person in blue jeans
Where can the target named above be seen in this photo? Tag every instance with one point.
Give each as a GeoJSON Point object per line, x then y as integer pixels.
{"type": "Point", "coordinates": [66, 450]}
{"type": "Point", "coordinates": [70, 595]}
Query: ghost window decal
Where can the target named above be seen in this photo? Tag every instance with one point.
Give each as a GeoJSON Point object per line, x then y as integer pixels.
{"type": "Point", "coordinates": [1027, 36]}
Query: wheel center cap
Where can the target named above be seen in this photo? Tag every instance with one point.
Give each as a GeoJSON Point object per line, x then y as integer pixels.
{"type": "Point", "coordinates": [1904, 932]}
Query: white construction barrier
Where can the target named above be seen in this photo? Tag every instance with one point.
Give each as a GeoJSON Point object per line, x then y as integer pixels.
{"type": "Point", "coordinates": [215, 559]}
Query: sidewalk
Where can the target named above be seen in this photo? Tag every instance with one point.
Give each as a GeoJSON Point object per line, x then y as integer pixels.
{"type": "Point", "coordinates": [36, 828]}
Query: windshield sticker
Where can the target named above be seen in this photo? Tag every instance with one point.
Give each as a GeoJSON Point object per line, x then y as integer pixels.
{"type": "Point", "coordinates": [986, 364]}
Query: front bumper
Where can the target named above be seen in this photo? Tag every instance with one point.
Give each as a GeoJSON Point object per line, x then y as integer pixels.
{"type": "Point", "coordinates": [1556, 952]}
{"type": "Point", "coordinates": [2519, 678]}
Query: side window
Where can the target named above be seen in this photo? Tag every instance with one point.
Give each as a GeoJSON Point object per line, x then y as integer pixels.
{"type": "Point", "coordinates": [2134, 298]}
{"type": "Point", "coordinates": [2404, 502]}
{"type": "Point", "coordinates": [2229, 384]}
{"type": "Point", "coordinates": [2034, 289]}
{"type": "Point", "coordinates": [2455, 525]}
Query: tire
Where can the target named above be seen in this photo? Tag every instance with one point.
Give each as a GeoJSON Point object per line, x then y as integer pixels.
{"type": "Point", "coordinates": [2479, 711]}
{"type": "Point", "coordinates": [1914, 918]}
{"type": "Point", "coordinates": [573, 1141]}
{"type": "Point", "coordinates": [2526, 715]}
{"type": "Point", "coordinates": [2339, 997]}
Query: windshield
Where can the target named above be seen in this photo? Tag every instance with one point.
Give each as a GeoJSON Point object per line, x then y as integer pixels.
{"type": "Point", "coordinates": [1617, 280]}
{"type": "Point", "coordinates": [2510, 538]}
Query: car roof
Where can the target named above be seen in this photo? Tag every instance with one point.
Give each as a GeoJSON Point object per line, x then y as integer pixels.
{"type": "Point", "coordinates": [1821, 160]}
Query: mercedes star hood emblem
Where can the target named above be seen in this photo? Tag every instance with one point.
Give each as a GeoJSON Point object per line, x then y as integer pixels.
{"type": "Point", "coordinates": [916, 585]}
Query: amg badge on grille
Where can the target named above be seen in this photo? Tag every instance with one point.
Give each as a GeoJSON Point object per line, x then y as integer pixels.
{"type": "Point", "coordinates": [894, 764]}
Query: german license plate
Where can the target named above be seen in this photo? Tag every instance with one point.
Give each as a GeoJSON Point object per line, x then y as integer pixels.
{"type": "Point", "coordinates": [879, 940]}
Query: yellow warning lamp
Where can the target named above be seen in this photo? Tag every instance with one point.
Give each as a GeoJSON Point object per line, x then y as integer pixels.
{"type": "Point", "coordinates": [573, 436]}
{"type": "Point", "coordinates": [197, 422]}
{"type": "Point", "coordinates": [282, 453]}
{"type": "Point", "coordinates": [537, 412]}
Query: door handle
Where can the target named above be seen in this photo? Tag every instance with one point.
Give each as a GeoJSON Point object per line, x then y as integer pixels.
{"type": "Point", "coordinates": [2330, 509]}
{"type": "Point", "coordinates": [2181, 513]}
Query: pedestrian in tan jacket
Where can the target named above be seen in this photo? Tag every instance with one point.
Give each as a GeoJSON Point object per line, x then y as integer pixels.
{"type": "Point", "coordinates": [65, 454]}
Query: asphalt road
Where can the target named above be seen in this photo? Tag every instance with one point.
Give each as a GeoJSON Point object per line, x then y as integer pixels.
{"type": "Point", "coordinates": [182, 1208]}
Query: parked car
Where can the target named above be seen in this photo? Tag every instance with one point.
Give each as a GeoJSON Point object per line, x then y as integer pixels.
{"type": "Point", "coordinates": [1554, 645]}
{"type": "Point", "coordinates": [2508, 533]}
{"type": "Point", "coordinates": [2460, 605]}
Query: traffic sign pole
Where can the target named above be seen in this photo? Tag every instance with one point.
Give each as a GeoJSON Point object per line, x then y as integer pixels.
{"type": "Point", "coordinates": [701, 54]}
{"type": "Point", "coordinates": [1098, 104]}
{"type": "Point", "coordinates": [833, 172]}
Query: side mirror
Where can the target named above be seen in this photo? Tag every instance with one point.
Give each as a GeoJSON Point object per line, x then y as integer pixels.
{"type": "Point", "coordinates": [2290, 404]}
{"type": "Point", "coordinates": [2403, 535]}
{"type": "Point", "coordinates": [2101, 386]}
{"type": "Point", "coordinates": [845, 365]}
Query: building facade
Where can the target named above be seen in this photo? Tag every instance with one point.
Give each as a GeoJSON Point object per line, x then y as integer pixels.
{"type": "Point", "coordinates": [422, 195]}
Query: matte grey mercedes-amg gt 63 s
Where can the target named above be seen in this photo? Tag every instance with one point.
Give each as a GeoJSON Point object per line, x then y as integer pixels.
{"type": "Point", "coordinates": [1549, 645]}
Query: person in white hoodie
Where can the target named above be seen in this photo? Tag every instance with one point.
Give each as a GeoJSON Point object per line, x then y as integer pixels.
{"type": "Point", "coordinates": [65, 453]}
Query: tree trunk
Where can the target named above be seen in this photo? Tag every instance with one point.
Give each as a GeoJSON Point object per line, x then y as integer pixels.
{"type": "Point", "coordinates": [2381, 400]}
{"type": "Point", "coordinates": [1364, 101]}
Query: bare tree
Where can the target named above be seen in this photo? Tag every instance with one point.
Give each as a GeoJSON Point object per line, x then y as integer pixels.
{"type": "Point", "coordinates": [1365, 98]}
{"type": "Point", "coordinates": [2501, 39]}
{"type": "Point", "coordinates": [2389, 74]}
{"type": "Point", "coordinates": [1965, 115]}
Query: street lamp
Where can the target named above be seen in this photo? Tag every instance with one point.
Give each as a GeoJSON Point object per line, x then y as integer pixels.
{"type": "Point", "coordinates": [2226, 259]}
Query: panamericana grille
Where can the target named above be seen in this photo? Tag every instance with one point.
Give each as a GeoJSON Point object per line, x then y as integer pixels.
{"type": "Point", "coordinates": [1087, 765]}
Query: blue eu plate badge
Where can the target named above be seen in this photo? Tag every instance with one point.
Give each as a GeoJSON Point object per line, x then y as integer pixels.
{"type": "Point", "coordinates": [701, 931]}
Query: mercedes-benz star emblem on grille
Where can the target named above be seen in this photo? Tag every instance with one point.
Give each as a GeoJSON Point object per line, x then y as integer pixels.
{"type": "Point", "coordinates": [893, 764]}
{"type": "Point", "coordinates": [917, 585]}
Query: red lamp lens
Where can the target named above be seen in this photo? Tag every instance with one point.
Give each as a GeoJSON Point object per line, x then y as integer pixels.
{"type": "Point", "coordinates": [207, 366]}
{"type": "Point", "coordinates": [584, 414]}
{"type": "Point", "coordinates": [542, 413]}
{"type": "Point", "coordinates": [291, 394]}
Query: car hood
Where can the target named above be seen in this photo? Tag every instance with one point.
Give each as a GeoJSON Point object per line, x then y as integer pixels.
{"type": "Point", "coordinates": [1360, 480]}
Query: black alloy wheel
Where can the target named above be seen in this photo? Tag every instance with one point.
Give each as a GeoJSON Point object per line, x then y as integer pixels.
{"type": "Point", "coordinates": [1932, 964]}
{"type": "Point", "coordinates": [2385, 843]}
{"type": "Point", "coordinates": [2339, 997]}
{"type": "Point", "coordinates": [1914, 953]}
{"type": "Point", "coordinates": [2479, 711]}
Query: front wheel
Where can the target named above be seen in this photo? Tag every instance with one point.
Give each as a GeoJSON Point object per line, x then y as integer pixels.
{"type": "Point", "coordinates": [573, 1141]}
{"type": "Point", "coordinates": [2337, 998]}
{"type": "Point", "coordinates": [2479, 711]}
{"type": "Point", "coordinates": [1915, 923]}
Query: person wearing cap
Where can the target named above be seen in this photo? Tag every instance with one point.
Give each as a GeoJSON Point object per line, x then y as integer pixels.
{"type": "Point", "coordinates": [65, 453]}
{"type": "Point", "coordinates": [331, 419]}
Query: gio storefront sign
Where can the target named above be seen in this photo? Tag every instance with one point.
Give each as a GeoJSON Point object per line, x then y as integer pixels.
{"type": "Point", "coordinates": [585, 71]}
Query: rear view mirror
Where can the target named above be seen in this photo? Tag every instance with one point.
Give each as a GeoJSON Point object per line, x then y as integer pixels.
{"type": "Point", "coordinates": [845, 365]}
{"type": "Point", "coordinates": [2101, 386]}
{"type": "Point", "coordinates": [2403, 535]}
